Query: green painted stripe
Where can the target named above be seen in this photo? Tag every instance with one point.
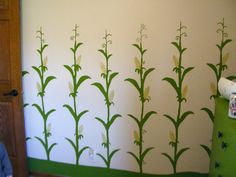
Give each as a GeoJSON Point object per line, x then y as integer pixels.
{"type": "Point", "coordinates": [70, 170]}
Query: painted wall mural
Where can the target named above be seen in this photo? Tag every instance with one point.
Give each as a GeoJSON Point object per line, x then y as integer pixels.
{"type": "Point", "coordinates": [74, 86]}
{"type": "Point", "coordinates": [108, 94]}
{"type": "Point", "coordinates": [218, 70]}
{"type": "Point", "coordinates": [41, 87]}
{"type": "Point", "coordinates": [108, 115]}
{"type": "Point", "coordinates": [144, 96]}
{"type": "Point", "coordinates": [181, 92]}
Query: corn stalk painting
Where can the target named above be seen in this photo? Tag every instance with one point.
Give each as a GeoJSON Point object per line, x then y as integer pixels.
{"type": "Point", "coordinates": [108, 75]}
{"type": "Point", "coordinates": [41, 86]}
{"type": "Point", "coordinates": [143, 92]}
{"type": "Point", "coordinates": [23, 74]}
{"type": "Point", "coordinates": [73, 88]}
{"type": "Point", "coordinates": [181, 91]}
{"type": "Point", "coordinates": [218, 70]}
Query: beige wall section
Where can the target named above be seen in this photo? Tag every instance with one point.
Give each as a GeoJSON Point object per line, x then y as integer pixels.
{"type": "Point", "coordinates": [122, 18]}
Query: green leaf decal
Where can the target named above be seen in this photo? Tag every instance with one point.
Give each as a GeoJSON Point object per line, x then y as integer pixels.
{"type": "Point", "coordinates": [39, 110]}
{"type": "Point", "coordinates": [171, 119]}
{"type": "Point", "coordinates": [112, 154]}
{"type": "Point", "coordinates": [48, 79]}
{"type": "Point", "coordinates": [114, 117]}
{"type": "Point", "coordinates": [101, 88]}
{"type": "Point", "coordinates": [225, 42]}
{"type": "Point", "coordinates": [172, 83]}
{"type": "Point", "coordinates": [146, 152]}
{"type": "Point", "coordinates": [135, 119]}
{"type": "Point", "coordinates": [147, 116]}
{"type": "Point", "coordinates": [207, 149]}
{"type": "Point", "coordinates": [102, 122]}
{"type": "Point", "coordinates": [181, 152]}
{"type": "Point", "coordinates": [170, 159]}
{"type": "Point", "coordinates": [51, 147]}
{"type": "Point", "coordinates": [80, 81]}
{"type": "Point", "coordinates": [187, 70]}
{"type": "Point", "coordinates": [112, 76]}
{"type": "Point", "coordinates": [81, 114]}
{"type": "Point", "coordinates": [210, 113]}
{"type": "Point", "coordinates": [70, 109]}
{"type": "Point", "coordinates": [70, 70]}
{"type": "Point", "coordinates": [72, 144]}
{"type": "Point", "coordinates": [103, 158]}
{"type": "Point", "coordinates": [231, 78]}
{"type": "Point", "coordinates": [184, 116]}
{"type": "Point", "coordinates": [134, 83]}
{"type": "Point", "coordinates": [213, 67]}
{"type": "Point", "coordinates": [147, 72]}
{"type": "Point", "coordinates": [24, 73]}
{"type": "Point", "coordinates": [135, 157]}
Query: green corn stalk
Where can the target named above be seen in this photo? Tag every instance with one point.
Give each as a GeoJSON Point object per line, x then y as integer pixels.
{"type": "Point", "coordinates": [41, 86]}
{"type": "Point", "coordinates": [23, 74]}
{"type": "Point", "coordinates": [181, 92]}
{"type": "Point", "coordinates": [73, 87]}
{"type": "Point", "coordinates": [108, 76]}
{"type": "Point", "coordinates": [218, 70]}
{"type": "Point", "coordinates": [143, 92]}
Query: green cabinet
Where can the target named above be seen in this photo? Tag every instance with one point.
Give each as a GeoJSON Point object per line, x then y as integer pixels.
{"type": "Point", "coordinates": [223, 155]}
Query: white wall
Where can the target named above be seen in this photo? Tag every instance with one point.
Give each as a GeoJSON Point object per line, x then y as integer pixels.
{"type": "Point", "coordinates": [122, 18]}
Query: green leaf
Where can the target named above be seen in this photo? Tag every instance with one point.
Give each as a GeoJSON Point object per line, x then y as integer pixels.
{"type": "Point", "coordinates": [114, 117]}
{"type": "Point", "coordinates": [70, 70]}
{"type": "Point", "coordinates": [138, 47]}
{"type": "Point", "coordinates": [38, 71]}
{"type": "Point", "coordinates": [80, 81]}
{"type": "Point", "coordinates": [70, 109]}
{"type": "Point", "coordinates": [180, 153]}
{"type": "Point", "coordinates": [184, 116]}
{"type": "Point", "coordinates": [103, 158]}
{"type": "Point", "coordinates": [135, 119]}
{"type": "Point", "coordinates": [112, 154]}
{"type": "Point", "coordinates": [171, 119]}
{"type": "Point", "coordinates": [177, 46]}
{"type": "Point", "coordinates": [48, 113]}
{"type": "Point", "coordinates": [77, 45]}
{"type": "Point", "coordinates": [170, 159]}
{"type": "Point", "coordinates": [26, 104]}
{"type": "Point", "coordinates": [225, 42]}
{"type": "Point", "coordinates": [145, 153]}
{"type": "Point", "coordinates": [24, 73]}
{"type": "Point", "coordinates": [213, 67]}
{"type": "Point", "coordinates": [103, 52]}
{"type": "Point", "coordinates": [173, 84]}
{"type": "Point", "coordinates": [50, 148]}
{"type": "Point", "coordinates": [231, 78]}
{"type": "Point", "coordinates": [82, 150]}
{"type": "Point", "coordinates": [186, 71]}
{"type": "Point", "coordinates": [72, 144]}
{"type": "Point", "coordinates": [42, 142]}
{"type": "Point", "coordinates": [101, 88]}
{"type": "Point", "coordinates": [39, 110]}
{"type": "Point", "coordinates": [81, 114]}
{"type": "Point", "coordinates": [109, 56]}
{"type": "Point", "coordinates": [134, 83]}
{"type": "Point", "coordinates": [145, 50]}
{"type": "Point", "coordinates": [48, 79]}
{"type": "Point", "coordinates": [101, 121]}
{"type": "Point", "coordinates": [147, 116]}
{"type": "Point", "coordinates": [44, 47]}
{"type": "Point", "coordinates": [210, 113]}
{"type": "Point", "coordinates": [28, 138]}
{"type": "Point", "coordinates": [135, 157]}
{"type": "Point", "coordinates": [182, 51]}
{"type": "Point", "coordinates": [147, 72]}
{"type": "Point", "coordinates": [207, 149]}
{"type": "Point", "coordinates": [112, 76]}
